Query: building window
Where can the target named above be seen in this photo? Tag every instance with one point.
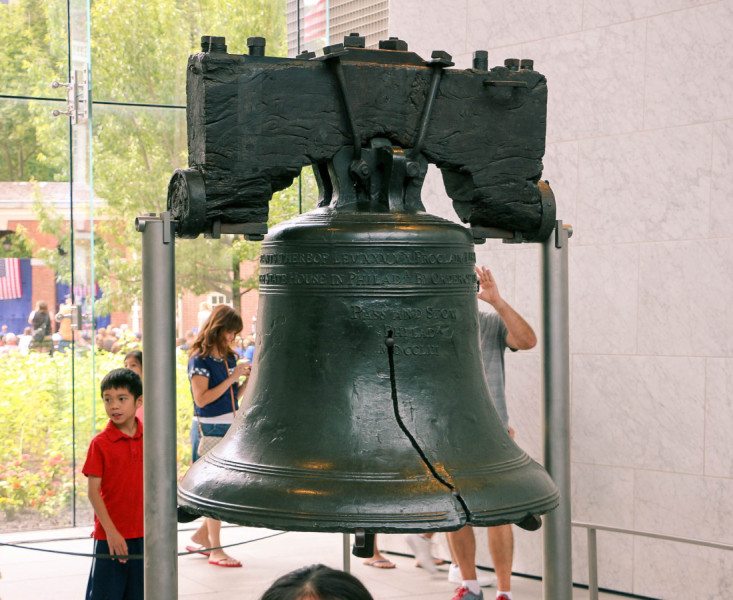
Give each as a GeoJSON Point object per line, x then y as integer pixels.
{"type": "Point", "coordinates": [215, 298]}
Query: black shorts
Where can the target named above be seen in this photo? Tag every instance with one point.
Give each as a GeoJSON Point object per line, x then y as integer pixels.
{"type": "Point", "coordinates": [111, 580]}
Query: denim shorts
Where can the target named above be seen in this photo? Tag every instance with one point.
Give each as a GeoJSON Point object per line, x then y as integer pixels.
{"type": "Point", "coordinates": [212, 429]}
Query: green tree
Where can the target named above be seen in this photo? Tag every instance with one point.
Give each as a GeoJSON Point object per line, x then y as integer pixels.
{"type": "Point", "coordinates": [139, 54]}
{"type": "Point", "coordinates": [35, 146]}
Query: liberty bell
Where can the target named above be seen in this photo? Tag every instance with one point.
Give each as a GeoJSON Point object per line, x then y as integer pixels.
{"type": "Point", "coordinates": [367, 408]}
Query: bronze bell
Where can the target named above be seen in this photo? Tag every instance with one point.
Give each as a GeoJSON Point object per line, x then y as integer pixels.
{"type": "Point", "coordinates": [367, 408]}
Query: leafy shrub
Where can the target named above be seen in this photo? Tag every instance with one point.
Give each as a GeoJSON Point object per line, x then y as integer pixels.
{"type": "Point", "coordinates": [50, 408]}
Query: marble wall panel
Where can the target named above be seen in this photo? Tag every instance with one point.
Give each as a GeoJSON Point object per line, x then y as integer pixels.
{"type": "Point", "coordinates": [685, 505]}
{"type": "Point", "coordinates": [676, 571]}
{"type": "Point", "coordinates": [428, 25]}
{"type": "Point", "coordinates": [721, 208]}
{"type": "Point", "coordinates": [434, 197]}
{"type": "Point", "coordinates": [528, 284]}
{"type": "Point", "coordinates": [689, 66]}
{"type": "Point", "coordinates": [527, 553]}
{"type": "Point", "coordinates": [603, 495]}
{"type": "Point", "coordinates": [684, 298]}
{"type": "Point", "coordinates": [603, 298]}
{"type": "Point", "coordinates": [561, 170]}
{"type": "Point", "coordinates": [615, 558]}
{"type": "Point", "coordinates": [463, 61]}
{"type": "Point", "coordinates": [490, 23]}
{"type": "Point", "coordinates": [719, 417]}
{"type": "Point", "coordinates": [646, 186]}
{"type": "Point", "coordinates": [639, 152]}
{"type": "Point", "coordinates": [524, 400]}
{"type": "Point", "coordinates": [638, 411]}
{"type": "Point", "coordinates": [499, 259]}
{"type": "Point", "coordinates": [599, 13]}
{"type": "Point", "coordinates": [595, 80]}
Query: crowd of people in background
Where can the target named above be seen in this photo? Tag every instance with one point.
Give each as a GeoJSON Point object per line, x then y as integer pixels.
{"type": "Point", "coordinates": [110, 339]}
{"type": "Point", "coordinates": [57, 333]}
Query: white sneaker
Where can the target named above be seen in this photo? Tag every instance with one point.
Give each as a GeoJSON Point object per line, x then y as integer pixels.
{"type": "Point", "coordinates": [484, 580]}
{"type": "Point", "coordinates": [421, 548]}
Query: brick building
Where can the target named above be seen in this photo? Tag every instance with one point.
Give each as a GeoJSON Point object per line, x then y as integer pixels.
{"type": "Point", "coordinates": [18, 201]}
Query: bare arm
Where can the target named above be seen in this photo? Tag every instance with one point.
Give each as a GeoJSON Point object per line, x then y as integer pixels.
{"type": "Point", "coordinates": [117, 543]}
{"type": "Point", "coordinates": [243, 386]}
{"type": "Point", "coordinates": [203, 395]}
{"type": "Point", "coordinates": [520, 334]}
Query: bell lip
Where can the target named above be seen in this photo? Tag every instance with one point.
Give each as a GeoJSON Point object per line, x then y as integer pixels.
{"type": "Point", "coordinates": [189, 503]}
{"type": "Point", "coordinates": [536, 508]}
{"type": "Point", "coordinates": [327, 523]}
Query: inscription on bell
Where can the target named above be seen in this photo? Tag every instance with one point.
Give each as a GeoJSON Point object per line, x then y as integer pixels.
{"type": "Point", "coordinates": [405, 313]}
{"type": "Point", "coordinates": [369, 257]}
{"type": "Point", "coordinates": [367, 278]}
{"type": "Point", "coordinates": [419, 331]}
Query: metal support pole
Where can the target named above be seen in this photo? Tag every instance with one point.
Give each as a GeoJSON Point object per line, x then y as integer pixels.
{"type": "Point", "coordinates": [557, 581]}
{"type": "Point", "coordinates": [592, 565]}
{"type": "Point", "coordinates": [159, 434]}
{"type": "Point", "coordinates": [347, 552]}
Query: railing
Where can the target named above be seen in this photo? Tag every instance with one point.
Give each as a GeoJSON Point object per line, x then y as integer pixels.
{"type": "Point", "coordinates": [593, 555]}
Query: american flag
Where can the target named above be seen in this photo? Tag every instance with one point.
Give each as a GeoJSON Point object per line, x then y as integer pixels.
{"type": "Point", "coordinates": [10, 286]}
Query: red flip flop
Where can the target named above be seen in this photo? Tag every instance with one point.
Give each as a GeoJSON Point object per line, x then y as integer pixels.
{"type": "Point", "coordinates": [197, 550]}
{"type": "Point", "coordinates": [226, 562]}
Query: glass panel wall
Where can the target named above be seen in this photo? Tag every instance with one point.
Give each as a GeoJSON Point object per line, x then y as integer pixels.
{"type": "Point", "coordinates": [36, 454]}
{"type": "Point", "coordinates": [36, 458]}
{"type": "Point", "coordinates": [70, 189]}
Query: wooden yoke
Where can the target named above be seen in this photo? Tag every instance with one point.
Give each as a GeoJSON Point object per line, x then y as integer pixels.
{"type": "Point", "coordinates": [255, 121]}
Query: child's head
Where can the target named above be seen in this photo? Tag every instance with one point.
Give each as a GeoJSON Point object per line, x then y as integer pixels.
{"type": "Point", "coordinates": [122, 391]}
{"type": "Point", "coordinates": [218, 332]}
{"type": "Point", "coordinates": [122, 378]}
{"type": "Point", "coordinates": [317, 582]}
{"type": "Point", "coordinates": [134, 362]}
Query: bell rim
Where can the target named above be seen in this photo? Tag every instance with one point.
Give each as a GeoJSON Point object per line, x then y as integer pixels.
{"type": "Point", "coordinates": [377, 523]}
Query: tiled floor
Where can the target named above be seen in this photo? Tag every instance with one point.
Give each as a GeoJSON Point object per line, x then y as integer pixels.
{"type": "Point", "coordinates": [32, 575]}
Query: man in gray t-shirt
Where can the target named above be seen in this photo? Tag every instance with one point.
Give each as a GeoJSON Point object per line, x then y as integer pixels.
{"type": "Point", "coordinates": [492, 339]}
{"type": "Point", "coordinates": [504, 328]}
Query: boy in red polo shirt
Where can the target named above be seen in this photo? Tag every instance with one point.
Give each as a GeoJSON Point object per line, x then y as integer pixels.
{"type": "Point", "coordinates": [114, 470]}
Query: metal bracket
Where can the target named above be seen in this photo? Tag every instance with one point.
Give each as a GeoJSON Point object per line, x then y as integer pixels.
{"type": "Point", "coordinates": [440, 60]}
{"type": "Point", "coordinates": [253, 232]}
{"type": "Point", "coordinates": [481, 234]}
{"type": "Point", "coordinates": [395, 171]}
{"type": "Point", "coordinates": [497, 83]}
{"type": "Point", "coordinates": [359, 538]}
{"type": "Point", "coordinates": [332, 56]}
{"type": "Point", "coordinates": [169, 224]}
{"type": "Point", "coordinates": [166, 218]}
{"type": "Point", "coordinates": [359, 169]}
{"type": "Point", "coordinates": [77, 97]}
{"type": "Point", "coordinates": [142, 221]}
{"type": "Point", "coordinates": [562, 233]}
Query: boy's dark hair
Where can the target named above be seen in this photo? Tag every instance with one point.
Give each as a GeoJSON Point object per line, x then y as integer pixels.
{"type": "Point", "coordinates": [122, 378]}
{"type": "Point", "coordinates": [317, 581]}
